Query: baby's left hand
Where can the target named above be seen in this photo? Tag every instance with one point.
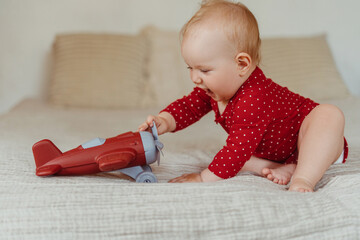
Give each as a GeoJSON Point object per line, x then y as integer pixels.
{"type": "Point", "coordinates": [191, 177]}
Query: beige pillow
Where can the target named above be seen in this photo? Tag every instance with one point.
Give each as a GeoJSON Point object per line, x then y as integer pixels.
{"type": "Point", "coordinates": [168, 76]}
{"type": "Point", "coordinates": [304, 65]}
{"type": "Point", "coordinates": [98, 70]}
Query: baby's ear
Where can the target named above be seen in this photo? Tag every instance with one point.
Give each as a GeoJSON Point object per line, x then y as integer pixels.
{"type": "Point", "coordinates": [244, 62]}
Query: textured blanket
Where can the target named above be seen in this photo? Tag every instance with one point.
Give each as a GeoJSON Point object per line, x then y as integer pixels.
{"type": "Point", "coordinates": [111, 205]}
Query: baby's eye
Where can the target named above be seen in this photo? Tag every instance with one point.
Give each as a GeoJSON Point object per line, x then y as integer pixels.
{"type": "Point", "coordinates": [190, 68]}
{"type": "Point", "coordinates": [204, 71]}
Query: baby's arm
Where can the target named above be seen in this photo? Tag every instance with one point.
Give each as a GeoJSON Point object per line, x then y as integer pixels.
{"type": "Point", "coordinates": [165, 122]}
{"type": "Point", "coordinates": [208, 176]}
{"type": "Point", "coordinates": [181, 113]}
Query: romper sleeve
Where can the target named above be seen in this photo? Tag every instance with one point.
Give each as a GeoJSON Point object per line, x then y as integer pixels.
{"type": "Point", "coordinates": [189, 109]}
{"type": "Point", "coordinates": [249, 124]}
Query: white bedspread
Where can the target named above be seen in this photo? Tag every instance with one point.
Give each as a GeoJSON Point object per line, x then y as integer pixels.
{"type": "Point", "coordinates": [110, 205]}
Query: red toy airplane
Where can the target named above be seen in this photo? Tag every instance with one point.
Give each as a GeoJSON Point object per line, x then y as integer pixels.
{"type": "Point", "coordinates": [130, 152]}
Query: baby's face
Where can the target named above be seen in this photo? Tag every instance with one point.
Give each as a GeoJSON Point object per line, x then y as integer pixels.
{"type": "Point", "coordinates": [211, 59]}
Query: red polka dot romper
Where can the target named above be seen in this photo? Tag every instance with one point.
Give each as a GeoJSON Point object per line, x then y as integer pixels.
{"type": "Point", "coordinates": [262, 119]}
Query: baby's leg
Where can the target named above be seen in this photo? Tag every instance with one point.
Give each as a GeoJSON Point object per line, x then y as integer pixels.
{"type": "Point", "coordinates": [320, 143]}
{"type": "Point", "coordinates": [276, 172]}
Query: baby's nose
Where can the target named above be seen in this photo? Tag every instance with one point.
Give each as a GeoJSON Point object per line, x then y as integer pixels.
{"type": "Point", "coordinates": [196, 79]}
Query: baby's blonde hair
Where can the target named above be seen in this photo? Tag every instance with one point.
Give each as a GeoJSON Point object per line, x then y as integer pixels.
{"type": "Point", "coordinates": [237, 22]}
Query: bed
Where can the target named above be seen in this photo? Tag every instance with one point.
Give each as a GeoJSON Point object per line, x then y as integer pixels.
{"type": "Point", "coordinates": [111, 205]}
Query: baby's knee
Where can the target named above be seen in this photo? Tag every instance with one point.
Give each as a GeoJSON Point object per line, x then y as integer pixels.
{"type": "Point", "coordinates": [331, 113]}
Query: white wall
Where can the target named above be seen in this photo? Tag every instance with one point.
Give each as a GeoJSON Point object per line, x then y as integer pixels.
{"type": "Point", "coordinates": [28, 27]}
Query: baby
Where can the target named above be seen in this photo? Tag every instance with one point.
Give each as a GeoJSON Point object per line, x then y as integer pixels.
{"type": "Point", "coordinates": [272, 131]}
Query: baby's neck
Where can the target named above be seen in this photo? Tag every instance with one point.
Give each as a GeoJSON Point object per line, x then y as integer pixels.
{"type": "Point", "coordinates": [222, 105]}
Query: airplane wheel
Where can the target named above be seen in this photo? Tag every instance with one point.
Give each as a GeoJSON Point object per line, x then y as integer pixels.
{"type": "Point", "coordinates": [147, 168]}
{"type": "Point", "coordinates": [146, 177]}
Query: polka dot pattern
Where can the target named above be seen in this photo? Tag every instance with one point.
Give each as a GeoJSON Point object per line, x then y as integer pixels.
{"type": "Point", "coordinates": [262, 119]}
{"type": "Point", "coordinates": [189, 109]}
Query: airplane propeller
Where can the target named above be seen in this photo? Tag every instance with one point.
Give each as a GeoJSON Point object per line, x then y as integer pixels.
{"type": "Point", "coordinates": [159, 145]}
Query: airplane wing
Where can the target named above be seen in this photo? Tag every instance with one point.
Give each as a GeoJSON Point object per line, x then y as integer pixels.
{"type": "Point", "coordinates": [115, 160]}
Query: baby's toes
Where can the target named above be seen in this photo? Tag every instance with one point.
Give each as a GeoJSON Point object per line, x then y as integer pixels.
{"type": "Point", "coordinates": [276, 180]}
{"type": "Point", "coordinates": [270, 177]}
{"type": "Point", "coordinates": [286, 181]}
{"type": "Point", "coordinates": [266, 172]}
{"type": "Point", "coordinates": [283, 182]}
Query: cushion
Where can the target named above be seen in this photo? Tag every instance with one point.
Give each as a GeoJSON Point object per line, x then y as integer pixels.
{"type": "Point", "coordinates": [304, 65]}
{"type": "Point", "coordinates": [98, 70]}
{"type": "Point", "coordinates": [168, 76]}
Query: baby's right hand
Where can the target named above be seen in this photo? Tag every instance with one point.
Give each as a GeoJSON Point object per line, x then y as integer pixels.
{"type": "Point", "coordinates": [161, 124]}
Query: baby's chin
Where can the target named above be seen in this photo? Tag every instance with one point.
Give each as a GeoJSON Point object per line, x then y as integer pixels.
{"type": "Point", "coordinates": [211, 94]}
{"type": "Point", "coordinates": [215, 97]}
{"type": "Point", "coordinates": [220, 100]}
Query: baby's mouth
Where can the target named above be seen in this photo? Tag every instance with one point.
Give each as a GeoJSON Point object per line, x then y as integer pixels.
{"type": "Point", "coordinates": [208, 91]}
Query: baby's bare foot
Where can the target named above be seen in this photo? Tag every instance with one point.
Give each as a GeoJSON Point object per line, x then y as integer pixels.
{"type": "Point", "coordinates": [299, 184]}
{"type": "Point", "coordinates": [280, 175]}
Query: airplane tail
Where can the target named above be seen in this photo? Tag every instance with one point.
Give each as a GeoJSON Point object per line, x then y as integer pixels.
{"type": "Point", "coordinates": [45, 151]}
